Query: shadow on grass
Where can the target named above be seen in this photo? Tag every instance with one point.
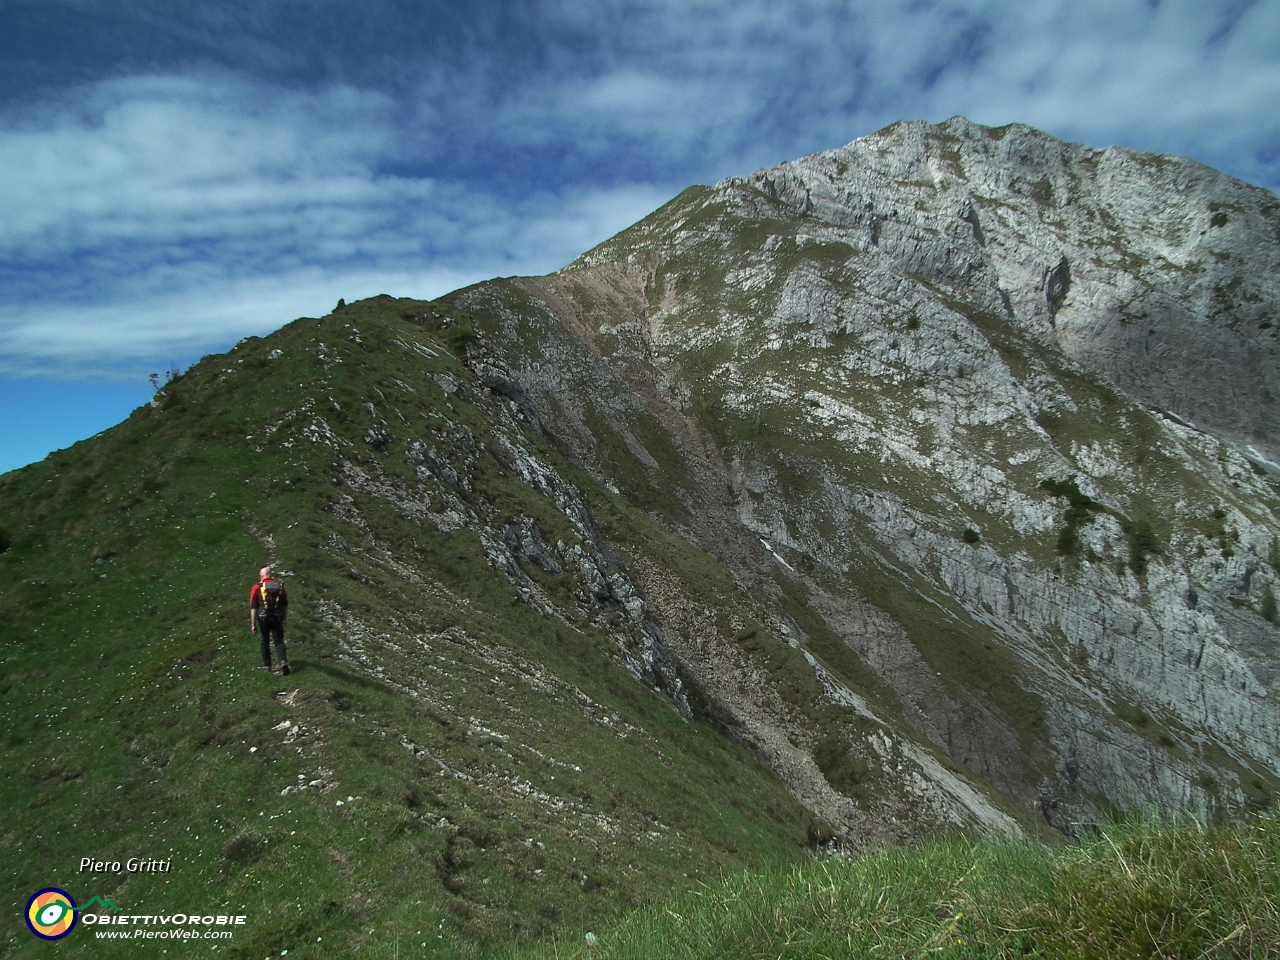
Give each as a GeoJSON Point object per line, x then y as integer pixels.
{"type": "Point", "coordinates": [337, 673]}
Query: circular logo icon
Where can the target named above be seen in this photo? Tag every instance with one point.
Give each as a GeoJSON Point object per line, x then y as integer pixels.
{"type": "Point", "coordinates": [51, 913]}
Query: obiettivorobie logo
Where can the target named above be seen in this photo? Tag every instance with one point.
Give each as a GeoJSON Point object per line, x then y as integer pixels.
{"type": "Point", "coordinates": [52, 913]}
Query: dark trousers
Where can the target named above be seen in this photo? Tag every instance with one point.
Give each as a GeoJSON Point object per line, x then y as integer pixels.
{"type": "Point", "coordinates": [269, 627]}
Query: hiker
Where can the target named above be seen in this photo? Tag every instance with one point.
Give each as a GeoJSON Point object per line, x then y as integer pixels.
{"type": "Point", "coordinates": [268, 607]}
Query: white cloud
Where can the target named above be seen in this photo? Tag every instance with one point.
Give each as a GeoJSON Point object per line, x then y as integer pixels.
{"type": "Point", "coordinates": [124, 338]}
{"type": "Point", "coordinates": [174, 315]}
{"type": "Point", "coordinates": [711, 89]}
{"type": "Point", "coordinates": [177, 160]}
{"type": "Point", "coordinates": [1142, 76]}
{"type": "Point", "coordinates": [151, 218]}
{"type": "Point", "coordinates": [163, 217]}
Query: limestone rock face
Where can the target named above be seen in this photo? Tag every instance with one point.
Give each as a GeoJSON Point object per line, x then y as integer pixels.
{"type": "Point", "coordinates": [1155, 271]}
{"type": "Point", "coordinates": [985, 424]}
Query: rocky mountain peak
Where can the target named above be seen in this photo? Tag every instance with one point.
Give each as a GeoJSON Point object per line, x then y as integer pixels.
{"type": "Point", "coordinates": [1155, 271]}
{"type": "Point", "coordinates": [1001, 407]}
{"type": "Point", "coordinates": [925, 484]}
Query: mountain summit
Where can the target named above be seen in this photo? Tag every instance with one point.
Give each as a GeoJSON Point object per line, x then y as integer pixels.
{"type": "Point", "coordinates": [995, 410]}
{"type": "Point", "coordinates": [925, 484]}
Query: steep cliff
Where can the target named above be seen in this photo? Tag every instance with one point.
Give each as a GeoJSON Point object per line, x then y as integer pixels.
{"type": "Point", "coordinates": [990, 411]}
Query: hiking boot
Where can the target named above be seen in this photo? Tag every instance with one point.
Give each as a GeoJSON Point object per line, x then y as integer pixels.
{"type": "Point", "coordinates": [284, 669]}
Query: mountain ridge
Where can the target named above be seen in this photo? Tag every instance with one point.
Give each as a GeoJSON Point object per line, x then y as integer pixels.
{"type": "Point", "coordinates": [806, 510]}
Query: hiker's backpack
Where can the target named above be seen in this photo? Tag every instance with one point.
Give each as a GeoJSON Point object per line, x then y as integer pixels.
{"type": "Point", "coordinates": [270, 591]}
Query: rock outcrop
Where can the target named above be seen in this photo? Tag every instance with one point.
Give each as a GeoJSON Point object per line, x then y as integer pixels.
{"type": "Point", "coordinates": [984, 422]}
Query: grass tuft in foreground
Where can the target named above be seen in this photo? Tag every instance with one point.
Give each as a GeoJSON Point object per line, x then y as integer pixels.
{"type": "Point", "coordinates": [1155, 890]}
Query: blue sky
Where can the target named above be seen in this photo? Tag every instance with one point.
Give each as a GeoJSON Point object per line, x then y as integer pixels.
{"type": "Point", "coordinates": [177, 176]}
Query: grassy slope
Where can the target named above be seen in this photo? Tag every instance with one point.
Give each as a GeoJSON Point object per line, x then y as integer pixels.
{"type": "Point", "coordinates": [137, 724]}
{"type": "Point", "coordinates": [1163, 891]}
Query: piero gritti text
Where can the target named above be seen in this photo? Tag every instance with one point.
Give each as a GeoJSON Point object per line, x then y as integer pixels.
{"type": "Point", "coordinates": [132, 865]}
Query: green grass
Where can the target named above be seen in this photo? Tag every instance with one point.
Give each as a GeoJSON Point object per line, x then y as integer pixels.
{"type": "Point", "coordinates": [1160, 890]}
{"type": "Point", "coordinates": [136, 722]}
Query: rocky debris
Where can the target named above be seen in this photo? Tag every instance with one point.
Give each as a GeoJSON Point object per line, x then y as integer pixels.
{"type": "Point", "coordinates": [875, 358]}
{"type": "Point", "coordinates": [403, 662]}
{"type": "Point", "coordinates": [451, 386]}
{"type": "Point", "coordinates": [589, 567]}
{"type": "Point", "coordinates": [494, 374]}
{"type": "Point", "coordinates": [645, 653]}
{"type": "Point", "coordinates": [524, 539]}
{"type": "Point", "coordinates": [431, 464]}
{"type": "Point", "coordinates": [320, 780]}
{"type": "Point", "coordinates": [641, 648]}
{"type": "Point", "coordinates": [547, 481]}
{"type": "Point", "coordinates": [912, 791]}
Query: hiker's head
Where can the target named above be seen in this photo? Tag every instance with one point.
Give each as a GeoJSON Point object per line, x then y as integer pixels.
{"type": "Point", "coordinates": [264, 573]}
